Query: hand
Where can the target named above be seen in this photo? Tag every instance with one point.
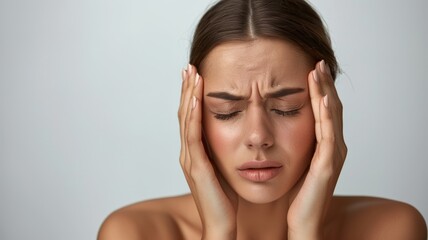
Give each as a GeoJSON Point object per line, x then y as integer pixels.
{"type": "Point", "coordinates": [313, 193]}
{"type": "Point", "coordinates": [215, 200]}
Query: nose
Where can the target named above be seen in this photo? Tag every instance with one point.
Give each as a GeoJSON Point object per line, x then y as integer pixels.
{"type": "Point", "coordinates": [259, 131]}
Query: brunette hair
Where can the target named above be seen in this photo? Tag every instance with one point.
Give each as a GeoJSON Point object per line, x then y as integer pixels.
{"type": "Point", "coordinates": [241, 20]}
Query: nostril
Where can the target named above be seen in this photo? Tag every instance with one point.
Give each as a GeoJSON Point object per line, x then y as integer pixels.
{"type": "Point", "coordinates": [263, 145]}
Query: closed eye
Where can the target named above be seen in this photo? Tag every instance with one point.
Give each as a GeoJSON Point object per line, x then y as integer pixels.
{"type": "Point", "coordinates": [286, 113]}
{"type": "Point", "coordinates": [226, 116]}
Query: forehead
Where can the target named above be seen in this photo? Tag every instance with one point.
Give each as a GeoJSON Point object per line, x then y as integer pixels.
{"type": "Point", "coordinates": [270, 62]}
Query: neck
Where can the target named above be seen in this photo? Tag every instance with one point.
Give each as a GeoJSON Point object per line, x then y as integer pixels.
{"type": "Point", "coordinates": [263, 221]}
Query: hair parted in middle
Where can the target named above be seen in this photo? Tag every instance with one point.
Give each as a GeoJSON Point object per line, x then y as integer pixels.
{"type": "Point", "coordinates": [294, 21]}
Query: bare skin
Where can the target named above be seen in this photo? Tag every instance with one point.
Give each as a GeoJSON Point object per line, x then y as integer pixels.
{"type": "Point", "coordinates": [351, 218]}
{"type": "Point", "coordinates": [262, 102]}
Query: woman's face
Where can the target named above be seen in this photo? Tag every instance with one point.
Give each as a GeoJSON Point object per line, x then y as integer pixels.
{"type": "Point", "coordinates": [257, 118]}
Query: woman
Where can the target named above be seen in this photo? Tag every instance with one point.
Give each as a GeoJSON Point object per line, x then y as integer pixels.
{"type": "Point", "coordinates": [261, 138]}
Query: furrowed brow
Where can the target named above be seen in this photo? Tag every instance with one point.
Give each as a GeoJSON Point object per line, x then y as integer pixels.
{"type": "Point", "coordinates": [277, 94]}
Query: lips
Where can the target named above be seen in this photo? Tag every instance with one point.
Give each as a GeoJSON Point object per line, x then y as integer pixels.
{"type": "Point", "coordinates": [260, 171]}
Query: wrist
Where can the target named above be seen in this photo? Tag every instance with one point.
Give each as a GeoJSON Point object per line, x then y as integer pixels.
{"type": "Point", "coordinates": [305, 234]}
{"type": "Point", "coordinates": [216, 235]}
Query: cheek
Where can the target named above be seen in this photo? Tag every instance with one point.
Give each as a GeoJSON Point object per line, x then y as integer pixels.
{"type": "Point", "coordinates": [298, 136]}
{"type": "Point", "coordinates": [220, 137]}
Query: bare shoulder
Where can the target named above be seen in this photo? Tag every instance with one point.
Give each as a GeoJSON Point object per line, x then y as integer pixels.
{"type": "Point", "coordinates": [376, 218]}
{"type": "Point", "coordinates": [165, 218]}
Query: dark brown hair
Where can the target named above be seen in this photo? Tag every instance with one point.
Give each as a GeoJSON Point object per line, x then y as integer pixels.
{"type": "Point", "coordinates": [292, 20]}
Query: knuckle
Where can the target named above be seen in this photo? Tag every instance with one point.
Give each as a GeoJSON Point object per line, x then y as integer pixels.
{"type": "Point", "coordinates": [344, 151]}
{"type": "Point", "coordinates": [182, 164]}
{"type": "Point", "coordinates": [187, 166]}
{"type": "Point", "coordinates": [330, 139]}
{"type": "Point", "coordinates": [181, 114]}
{"type": "Point", "coordinates": [182, 159]}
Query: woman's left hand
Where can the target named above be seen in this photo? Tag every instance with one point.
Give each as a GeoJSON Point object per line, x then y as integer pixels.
{"type": "Point", "coordinates": [312, 194]}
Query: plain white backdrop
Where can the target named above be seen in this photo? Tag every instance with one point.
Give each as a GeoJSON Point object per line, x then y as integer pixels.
{"type": "Point", "coordinates": [89, 92]}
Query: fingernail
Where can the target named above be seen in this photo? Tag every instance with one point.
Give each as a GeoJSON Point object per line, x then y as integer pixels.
{"type": "Point", "coordinates": [183, 74]}
{"type": "Point", "coordinates": [197, 79]}
{"type": "Point", "coordinates": [189, 69]}
{"type": "Point", "coordinates": [324, 67]}
{"type": "Point", "coordinates": [314, 75]}
{"type": "Point", "coordinates": [325, 100]}
{"type": "Point", "coordinates": [193, 102]}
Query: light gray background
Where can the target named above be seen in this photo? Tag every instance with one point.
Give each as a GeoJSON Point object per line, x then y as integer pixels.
{"type": "Point", "coordinates": [89, 92]}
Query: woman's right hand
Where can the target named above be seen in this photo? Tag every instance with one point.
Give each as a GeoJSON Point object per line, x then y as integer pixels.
{"type": "Point", "coordinates": [214, 198]}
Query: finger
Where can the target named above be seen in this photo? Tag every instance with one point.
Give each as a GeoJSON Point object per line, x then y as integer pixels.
{"type": "Point", "coordinates": [327, 126]}
{"type": "Point", "coordinates": [187, 89]}
{"type": "Point", "coordinates": [193, 79]}
{"type": "Point", "coordinates": [328, 87]}
{"type": "Point", "coordinates": [336, 107]}
{"type": "Point", "coordinates": [316, 94]}
{"type": "Point", "coordinates": [324, 156]}
{"type": "Point", "coordinates": [189, 84]}
{"type": "Point", "coordinates": [184, 83]}
{"type": "Point", "coordinates": [183, 100]}
{"type": "Point", "coordinates": [326, 79]}
{"type": "Point", "coordinates": [194, 138]}
{"type": "Point", "coordinates": [184, 76]}
{"type": "Point", "coordinates": [190, 106]}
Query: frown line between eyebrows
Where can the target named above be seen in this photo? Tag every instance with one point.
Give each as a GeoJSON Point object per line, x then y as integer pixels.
{"type": "Point", "coordinates": [276, 94]}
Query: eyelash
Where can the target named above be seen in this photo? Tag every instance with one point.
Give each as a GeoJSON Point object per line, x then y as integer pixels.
{"type": "Point", "coordinates": [286, 113]}
{"type": "Point", "coordinates": [224, 117]}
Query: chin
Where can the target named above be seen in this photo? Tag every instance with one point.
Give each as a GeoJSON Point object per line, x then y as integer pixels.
{"type": "Point", "coordinates": [260, 193]}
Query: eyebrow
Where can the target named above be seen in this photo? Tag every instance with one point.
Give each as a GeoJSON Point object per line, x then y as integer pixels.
{"type": "Point", "coordinates": [284, 92]}
{"type": "Point", "coordinates": [277, 94]}
{"type": "Point", "coordinates": [225, 96]}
